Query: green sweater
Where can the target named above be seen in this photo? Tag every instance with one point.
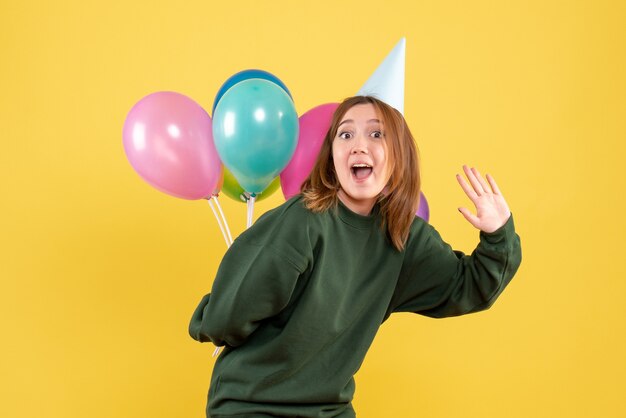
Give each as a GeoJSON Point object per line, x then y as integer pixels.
{"type": "Point", "coordinates": [299, 297]}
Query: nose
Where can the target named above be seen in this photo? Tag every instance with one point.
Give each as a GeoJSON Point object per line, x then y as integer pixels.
{"type": "Point", "coordinates": [359, 145]}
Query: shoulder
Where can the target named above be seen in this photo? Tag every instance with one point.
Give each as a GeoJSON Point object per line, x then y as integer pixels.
{"type": "Point", "coordinates": [284, 229]}
{"type": "Point", "coordinates": [286, 217]}
{"type": "Point", "coordinates": [422, 234]}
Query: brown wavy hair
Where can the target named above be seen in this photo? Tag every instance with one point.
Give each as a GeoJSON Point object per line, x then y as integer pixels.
{"type": "Point", "coordinates": [400, 199]}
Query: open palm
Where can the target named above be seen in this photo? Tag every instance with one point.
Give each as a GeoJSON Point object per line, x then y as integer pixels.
{"type": "Point", "coordinates": [492, 210]}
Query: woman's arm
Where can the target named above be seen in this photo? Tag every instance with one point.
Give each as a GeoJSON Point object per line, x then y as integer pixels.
{"type": "Point", "coordinates": [437, 281]}
{"type": "Point", "coordinates": [254, 282]}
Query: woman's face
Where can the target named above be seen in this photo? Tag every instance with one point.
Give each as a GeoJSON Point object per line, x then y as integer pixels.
{"type": "Point", "coordinates": [360, 159]}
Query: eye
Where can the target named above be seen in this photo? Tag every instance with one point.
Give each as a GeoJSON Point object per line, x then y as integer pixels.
{"type": "Point", "coordinates": [377, 134]}
{"type": "Point", "coordinates": [345, 135]}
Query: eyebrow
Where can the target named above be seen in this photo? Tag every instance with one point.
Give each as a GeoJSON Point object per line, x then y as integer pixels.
{"type": "Point", "coordinates": [352, 121]}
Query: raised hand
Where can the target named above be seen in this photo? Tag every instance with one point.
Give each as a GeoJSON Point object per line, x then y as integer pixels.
{"type": "Point", "coordinates": [491, 209]}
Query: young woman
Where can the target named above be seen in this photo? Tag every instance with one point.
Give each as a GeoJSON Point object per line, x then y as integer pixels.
{"type": "Point", "coordinates": [299, 297]}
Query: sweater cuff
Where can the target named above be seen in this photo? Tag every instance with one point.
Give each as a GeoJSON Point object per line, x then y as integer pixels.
{"type": "Point", "coordinates": [500, 234]}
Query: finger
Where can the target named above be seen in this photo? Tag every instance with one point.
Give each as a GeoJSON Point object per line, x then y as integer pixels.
{"type": "Point", "coordinates": [481, 180]}
{"type": "Point", "coordinates": [471, 218]}
{"type": "Point", "coordinates": [466, 188]}
{"type": "Point", "coordinates": [472, 178]}
{"type": "Point", "coordinates": [494, 185]}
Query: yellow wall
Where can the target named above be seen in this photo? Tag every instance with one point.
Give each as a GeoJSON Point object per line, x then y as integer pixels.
{"type": "Point", "coordinates": [100, 272]}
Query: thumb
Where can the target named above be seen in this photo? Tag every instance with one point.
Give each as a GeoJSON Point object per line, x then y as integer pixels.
{"type": "Point", "coordinates": [471, 218]}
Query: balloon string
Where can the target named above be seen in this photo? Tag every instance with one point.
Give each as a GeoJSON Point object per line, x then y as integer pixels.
{"type": "Point", "coordinates": [251, 200]}
{"type": "Point", "coordinates": [250, 204]}
{"type": "Point", "coordinates": [225, 229]}
{"type": "Point", "coordinates": [219, 222]}
{"type": "Point", "coordinates": [228, 243]}
{"type": "Point", "coordinates": [217, 202]}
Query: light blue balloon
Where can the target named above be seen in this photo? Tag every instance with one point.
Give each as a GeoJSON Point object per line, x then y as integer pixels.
{"type": "Point", "coordinates": [255, 129]}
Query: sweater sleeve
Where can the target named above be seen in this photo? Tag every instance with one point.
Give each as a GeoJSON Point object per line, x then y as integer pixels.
{"type": "Point", "coordinates": [254, 282]}
{"type": "Point", "coordinates": [438, 282]}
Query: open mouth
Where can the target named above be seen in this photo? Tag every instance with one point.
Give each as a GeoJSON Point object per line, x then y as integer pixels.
{"type": "Point", "coordinates": [361, 171]}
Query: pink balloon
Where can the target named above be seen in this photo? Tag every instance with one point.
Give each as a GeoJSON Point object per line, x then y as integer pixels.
{"type": "Point", "coordinates": [313, 127]}
{"type": "Point", "coordinates": [168, 140]}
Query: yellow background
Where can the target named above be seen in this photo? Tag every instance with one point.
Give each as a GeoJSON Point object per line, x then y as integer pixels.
{"type": "Point", "coordinates": [100, 272]}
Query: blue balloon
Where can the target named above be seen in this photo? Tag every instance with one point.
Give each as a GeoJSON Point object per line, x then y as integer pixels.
{"type": "Point", "coordinates": [255, 130]}
{"type": "Point", "coordinates": [246, 75]}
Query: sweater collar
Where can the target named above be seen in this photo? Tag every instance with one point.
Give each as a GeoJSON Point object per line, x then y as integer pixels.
{"type": "Point", "coordinates": [356, 220]}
